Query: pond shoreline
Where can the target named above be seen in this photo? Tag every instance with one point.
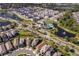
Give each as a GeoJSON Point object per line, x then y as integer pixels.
{"type": "Point", "coordinates": [62, 32]}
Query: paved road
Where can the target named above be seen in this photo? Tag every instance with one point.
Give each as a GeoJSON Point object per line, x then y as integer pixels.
{"type": "Point", "coordinates": [18, 51]}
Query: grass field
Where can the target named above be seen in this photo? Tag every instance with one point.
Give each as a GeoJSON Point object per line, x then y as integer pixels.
{"type": "Point", "coordinates": [23, 54]}
{"type": "Point", "coordinates": [3, 20]}
{"type": "Point", "coordinates": [24, 34]}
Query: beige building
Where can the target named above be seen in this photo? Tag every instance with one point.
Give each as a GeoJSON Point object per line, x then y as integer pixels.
{"type": "Point", "coordinates": [28, 42]}
{"type": "Point", "coordinates": [8, 45]}
{"type": "Point", "coordinates": [2, 48]}
{"type": "Point", "coordinates": [15, 42]}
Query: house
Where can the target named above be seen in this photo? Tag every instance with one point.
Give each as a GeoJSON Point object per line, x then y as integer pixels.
{"type": "Point", "coordinates": [57, 54]}
{"type": "Point", "coordinates": [14, 33]}
{"type": "Point", "coordinates": [4, 37]}
{"type": "Point", "coordinates": [50, 51]}
{"type": "Point", "coordinates": [1, 40]}
{"type": "Point", "coordinates": [1, 29]}
{"type": "Point", "coordinates": [8, 45]}
{"type": "Point", "coordinates": [21, 41]}
{"type": "Point", "coordinates": [35, 42]}
{"type": "Point", "coordinates": [2, 49]}
{"type": "Point", "coordinates": [44, 49]}
{"type": "Point", "coordinates": [9, 34]}
{"type": "Point", "coordinates": [39, 46]}
{"type": "Point", "coordinates": [76, 16]}
{"type": "Point", "coordinates": [38, 25]}
{"type": "Point", "coordinates": [4, 28]}
{"type": "Point", "coordinates": [28, 42]}
{"type": "Point", "coordinates": [15, 42]}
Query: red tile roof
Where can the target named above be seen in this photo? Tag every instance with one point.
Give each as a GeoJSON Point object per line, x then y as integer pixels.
{"type": "Point", "coordinates": [40, 45]}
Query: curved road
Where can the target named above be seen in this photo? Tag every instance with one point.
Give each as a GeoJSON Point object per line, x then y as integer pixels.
{"type": "Point", "coordinates": [18, 51]}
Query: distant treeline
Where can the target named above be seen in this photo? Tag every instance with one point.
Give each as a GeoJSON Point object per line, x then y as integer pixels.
{"type": "Point", "coordinates": [56, 6]}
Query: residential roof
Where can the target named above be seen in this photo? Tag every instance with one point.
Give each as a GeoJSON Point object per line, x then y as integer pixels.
{"type": "Point", "coordinates": [48, 53]}
{"type": "Point", "coordinates": [2, 49]}
{"type": "Point", "coordinates": [15, 42]}
{"type": "Point", "coordinates": [40, 45]}
{"type": "Point", "coordinates": [35, 42]}
{"type": "Point", "coordinates": [8, 45]}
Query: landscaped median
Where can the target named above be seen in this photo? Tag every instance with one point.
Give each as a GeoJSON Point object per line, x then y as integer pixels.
{"type": "Point", "coordinates": [70, 31]}
{"type": "Point", "coordinates": [28, 21]}
{"type": "Point", "coordinates": [3, 20]}
{"type": "Point", "coordinates": [23, 54]}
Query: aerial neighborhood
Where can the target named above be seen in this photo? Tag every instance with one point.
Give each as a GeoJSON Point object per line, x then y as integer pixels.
{"type": "Point", "coordinates": [39, 30]}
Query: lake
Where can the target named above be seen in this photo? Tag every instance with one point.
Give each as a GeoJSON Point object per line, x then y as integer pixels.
{"type": "Point", "coordinates": [4, 23]}
{"type": "Point", "coordinates": [62, 33]}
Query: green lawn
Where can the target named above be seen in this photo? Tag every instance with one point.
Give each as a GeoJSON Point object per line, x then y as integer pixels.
{"type": "Point", "coordinates": [3, 20]}
{"type": "Point", "coordinates": [49, 21]}
{"type": "Point", "coordinates": [3, 10]}
{"type": "Point", "coordinates": [28, 21]}
{"type": "Point", "coordinates": [23, 54]}
{"type": "Point", "coordinates": [24, 34]}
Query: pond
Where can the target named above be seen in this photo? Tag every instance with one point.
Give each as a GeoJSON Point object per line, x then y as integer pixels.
{"type": "Point", "coordinates": [62, 33]}
{"type": "Point", "coordinates": [4, 23]}
{"type": "Point", "coordinates": [9, 16]}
